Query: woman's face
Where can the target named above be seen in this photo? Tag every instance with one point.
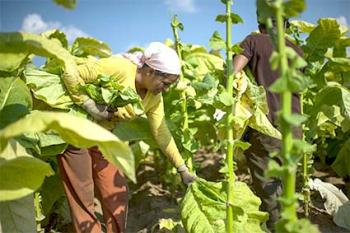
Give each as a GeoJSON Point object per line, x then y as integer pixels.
{"type": "Point", "coordinates": [158, 82]}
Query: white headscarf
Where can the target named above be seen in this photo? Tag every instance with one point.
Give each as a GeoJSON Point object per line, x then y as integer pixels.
{"type": "Point", "coordinates": [158, 56]}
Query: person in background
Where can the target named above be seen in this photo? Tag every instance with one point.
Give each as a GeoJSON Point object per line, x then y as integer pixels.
{"type": "Point", "coordinates": [85, 171]}
{"type": "Point", "coordinates": [256, 55]}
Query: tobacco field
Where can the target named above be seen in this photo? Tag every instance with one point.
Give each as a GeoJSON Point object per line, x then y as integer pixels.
{"type": "Point", "coordinates": [207, 112]}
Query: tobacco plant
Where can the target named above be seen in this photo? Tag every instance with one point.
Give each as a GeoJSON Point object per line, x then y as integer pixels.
{"type": "Point", "coordinates": [175, 25]}
{"type": "Point", "coordinates": [290, 81]}
{"type": "Point", "coordinates": [327, 96]}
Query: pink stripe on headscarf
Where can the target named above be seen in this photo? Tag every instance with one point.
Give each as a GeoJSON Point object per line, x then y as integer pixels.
{"type": "Point", "coordinates": [157, 56]}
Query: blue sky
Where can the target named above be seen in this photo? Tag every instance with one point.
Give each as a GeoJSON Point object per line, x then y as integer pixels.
{"type": "Point", "coordinates": [125, 23]}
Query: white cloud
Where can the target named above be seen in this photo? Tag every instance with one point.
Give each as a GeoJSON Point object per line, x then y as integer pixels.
{"type": "Point", "coordinates": [33, 23]}
{"type": "Point", "coordinates": [73, 32]}
{"type": "Point", "coordinates": [343, 21]}
{"type": "Point", "coordinates": [182, 5]}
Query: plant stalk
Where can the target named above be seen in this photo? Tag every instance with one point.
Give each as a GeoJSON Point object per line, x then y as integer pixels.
{"type": "Point", "coordinates": [289, 206]}
{"type": "Point", "coordinates": [306, 174]}
{"type": "Point", "coordinates": [229, 155]}
{"type": "Point", "coordinates": [189, 160]}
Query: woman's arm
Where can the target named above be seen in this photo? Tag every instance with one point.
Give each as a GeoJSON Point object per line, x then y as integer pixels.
{"type": "Point", "coordinates": [161, 132]}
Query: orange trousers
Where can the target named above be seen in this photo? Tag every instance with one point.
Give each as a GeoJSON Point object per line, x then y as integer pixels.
{"type": "Point", "coordinates": [85, 173]}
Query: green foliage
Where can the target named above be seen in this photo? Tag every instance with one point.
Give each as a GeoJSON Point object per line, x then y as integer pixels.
{"type": "Point", "coordinates": [324, 36]}
{"type": "Point", "coordinates": [105, 90]}
{"type": "Point", "coordinates": [76, 131]}
{"type": "Point", "coordinates": [49, 198]}
{"type": "Point", "coordinates": [301, 225]}
{"type": "Point", "coordinates": [203, 208]}
{"type": "Point", "coordinates": [342, 163]}
{"type": "Point", "coordinates": [17, 216]}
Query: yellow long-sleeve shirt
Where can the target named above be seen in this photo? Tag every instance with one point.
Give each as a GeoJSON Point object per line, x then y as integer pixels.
{"type": "Point", "coordinates": [124, 72]}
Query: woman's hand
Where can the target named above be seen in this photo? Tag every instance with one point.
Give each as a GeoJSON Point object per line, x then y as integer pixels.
{"type": "Point", "coordinates": [98, 111]}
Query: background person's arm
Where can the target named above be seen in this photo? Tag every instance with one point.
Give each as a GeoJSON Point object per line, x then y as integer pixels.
{"type": "Point", "coordinates": [238, 63]}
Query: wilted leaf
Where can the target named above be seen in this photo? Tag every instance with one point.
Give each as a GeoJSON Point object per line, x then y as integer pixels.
{"type": "Point", "coordinates": [334, 198]}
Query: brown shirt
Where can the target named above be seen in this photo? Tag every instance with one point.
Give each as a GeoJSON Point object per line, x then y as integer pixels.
{"type": "Point", "coordinates": [258, 49]}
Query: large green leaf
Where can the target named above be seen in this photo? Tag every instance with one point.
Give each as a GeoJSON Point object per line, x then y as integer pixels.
{"type": "Point", "coordinates": [21, 174]}
{"type": "Point", "coordinates": [203, 208]}
{"type": "Point", "coordinates": [48, 88]}
{"type": "Point", "coordinates": [324, 36]}
{"type": "Point", "coordinates": [11, 61]}
{"type": "Point", "coordinates": [333, 95]}
{"type": "Point", "coordinates": [341, 164]}
{"type": "Point", "coordinates": [18, 216]}
{"type": "Point", "coordinates": [77, 131]}
{"type": "Point", "coordinates": [84, 46]}
{"type": "Point", "coordinates": [48, 197]}
{"type": "Point", "coordinates": [135, 130]}
{"type": "Point", "coordinates": [16, 42]}
{"type": "Point", "coordinates": [15, 100]}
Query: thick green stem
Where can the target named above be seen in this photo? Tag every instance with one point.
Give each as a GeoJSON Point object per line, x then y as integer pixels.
{"type": "Point", "coordinates": [183, 94]}
{"type": "Point", "coordinates": [306, 188]}
{"type": "Point", "coordinates": [189, 160]}
{"type": "Point", "coordinates": [229, 155]}
{"type": "Point", "coordinates": [289, 206]}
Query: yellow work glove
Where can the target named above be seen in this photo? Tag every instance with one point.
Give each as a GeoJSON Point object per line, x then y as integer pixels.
{"type": "Point", "coordinates": [98, 111]}
{"type": "Point", "coordinates": [186, 176]}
